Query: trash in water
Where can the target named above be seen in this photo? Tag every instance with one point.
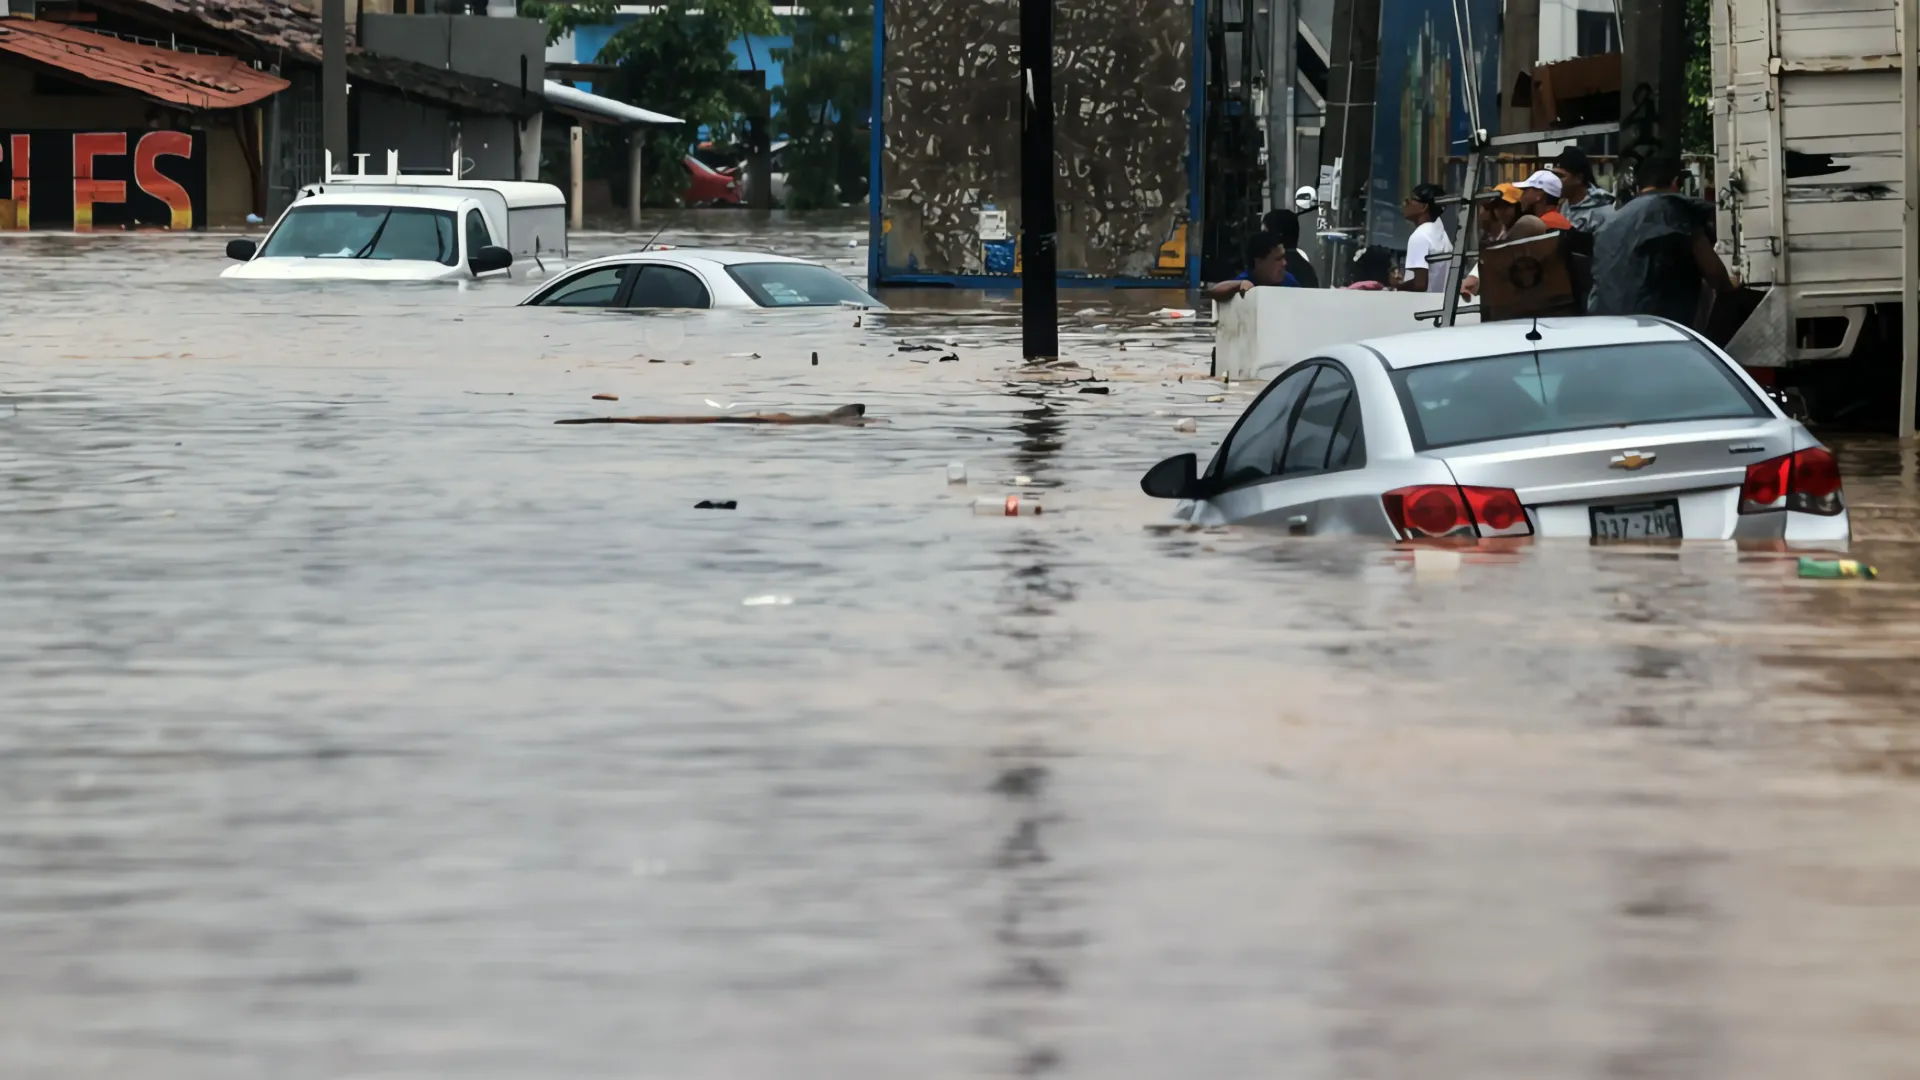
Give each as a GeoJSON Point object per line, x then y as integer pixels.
{"type": "Point", "coordinates": [1216, 397]}
{"type": "Point", "coordinates": [766, 601]}
{"type": "Point", "coordinates": [1186, 426]}
{"type": "Point", "coordinates": [957, 473]}
{"type": "Point", "coordinates": [1836, 568]}
{"type": "Point", "coordinates": [1087, 311]}
{"type": "Point", "coordinates": [1096, 389]}
{"type": "Point", "coordinates": [816, 356]}
{"type": "Point", "coordinates": [1011, 506]}
{"type": "Point", "coordinates": [1022, 481]}
{"type": "Point", "coordinates": [950, 358]}
{"type": "Point", "coordinates": [606, 397]}
{"type": "Point", "coordinates": [728, 407]}
{"type": "Point", "coordinates": [722, 504]}
{"type": "Point", "coordinates": [1174, 313]}
{"type": "Point", "coordinates": [917, 347]}
{"type": "Point", "coordinates": [845, 415]}
{"type": "Point", "coordinates": [743, 356]}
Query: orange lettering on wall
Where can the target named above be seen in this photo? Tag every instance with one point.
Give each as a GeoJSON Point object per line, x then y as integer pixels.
{"type": "Point", "coordinates": [22, 184]}
{"type": "Point", "coordinates": [87, 190]}
{"type": "Point", "coordinates": [146, 172]}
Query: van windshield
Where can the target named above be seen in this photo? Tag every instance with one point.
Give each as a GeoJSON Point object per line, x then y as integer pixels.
{"type": "Point", "coordinates": [365, 232]}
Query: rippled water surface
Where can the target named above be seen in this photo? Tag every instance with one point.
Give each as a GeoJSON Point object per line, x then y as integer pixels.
{"type": "Point", "coordinates": [361, 722]}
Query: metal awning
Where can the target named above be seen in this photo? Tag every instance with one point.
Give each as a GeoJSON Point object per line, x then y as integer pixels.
{"type": "Point", "coordinates": [597, 109]}
{"type": "Point", "coordinates": [191, 80]}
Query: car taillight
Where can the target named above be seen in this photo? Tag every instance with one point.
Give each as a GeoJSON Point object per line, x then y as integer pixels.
{"type": "Point", "coordinates": [1807, 481]}
{"type": "Point", "coordinates": [1498, 511]}
{"type": "Point", "coordinates": [1432, 510]}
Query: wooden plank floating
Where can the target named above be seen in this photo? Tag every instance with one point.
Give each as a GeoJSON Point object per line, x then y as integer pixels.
{"type": "Point", "coordinates": [844, 416]}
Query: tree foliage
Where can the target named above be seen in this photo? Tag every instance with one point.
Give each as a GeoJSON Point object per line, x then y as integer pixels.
{"type": "Point", "coordinates": [1696, 131]}
{"type": "Point", "coordinates": [825, 98]}
{"type": "Point", "coordinates": [676, 60]}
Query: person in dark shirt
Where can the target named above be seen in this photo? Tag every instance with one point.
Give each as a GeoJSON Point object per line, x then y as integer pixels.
{"type": "Point", "coordinates": [1286, 224]}
{"type": "Point", "coordinates": [1266, 265]}
{"type": "Point", "coordinates": [1653, 255]}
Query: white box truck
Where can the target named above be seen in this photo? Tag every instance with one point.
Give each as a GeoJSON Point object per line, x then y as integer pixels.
{"type": "Point", "coordinates": [1815, 146]}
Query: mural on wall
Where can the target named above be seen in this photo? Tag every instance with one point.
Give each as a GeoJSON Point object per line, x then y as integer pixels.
{"type": "Point", "coordinates": [1422, 94]}
{"type": "Point", "coordinates": [83, 180]}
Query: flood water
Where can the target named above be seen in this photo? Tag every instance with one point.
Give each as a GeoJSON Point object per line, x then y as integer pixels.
{"type": "Point", "coordinates": [361, 722]}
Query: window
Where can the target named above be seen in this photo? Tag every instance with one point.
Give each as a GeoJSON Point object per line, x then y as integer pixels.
{"type": "Point", "coordinates": [668, 287]}
{"type": "Point", "coordinates": [477, 234]}
{"type": "Point", "coordinates": [1312, 435]}
{"type": "Point", "coordinates": [797, 285]}
{"type": "Point", "coordinates": [1595, 32]}
{"type": "Point", "coordinates": [1254, 449]}
{"type": "Point", "coordinates": [1349, 448]}
{"type": "Point", "coordinates": [595, 288]}
{"type": "Point", "coordinates": [1503, 397]}
{"type": "Point", "coordinates": [365, 232]}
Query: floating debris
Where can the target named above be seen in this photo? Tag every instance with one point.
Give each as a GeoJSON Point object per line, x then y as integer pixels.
{"type": "Point", "coordinates": [606, 397]}
{"type": "Point", "coordinates": [845, 416]}
{"type": "Point", "coordinates": [1186, 427]}
{"type": "Point", "coordinates": [720, 504]}
{"type": "Point", "coordinates": [766, 601]}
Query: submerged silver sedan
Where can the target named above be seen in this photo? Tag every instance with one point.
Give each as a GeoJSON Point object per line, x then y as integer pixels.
{"type": "Point", "coordinates": [1598, 428]}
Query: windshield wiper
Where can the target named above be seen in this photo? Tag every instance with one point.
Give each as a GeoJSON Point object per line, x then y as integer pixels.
{"type": "Point", "coordinates": [375, 238]}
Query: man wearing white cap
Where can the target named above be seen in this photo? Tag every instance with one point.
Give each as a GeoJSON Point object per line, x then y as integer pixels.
{"type": "Point", "coordinates": [1540, 196]}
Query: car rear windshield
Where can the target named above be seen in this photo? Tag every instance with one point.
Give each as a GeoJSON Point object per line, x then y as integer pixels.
{"type": "Point", "coordinates": [1503, 397]}
{"type": "Point", "coordinates": [408, 233]}
{"type": "Point", "coordinates": [796, 285]}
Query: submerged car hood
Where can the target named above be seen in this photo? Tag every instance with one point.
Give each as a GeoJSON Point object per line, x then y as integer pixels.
{"type": "Point", "coordinates": [342, 270]}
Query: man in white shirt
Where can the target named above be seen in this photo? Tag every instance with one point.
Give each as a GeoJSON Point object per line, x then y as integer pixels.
{"type": "Point", "coordinates": [1428, 248]}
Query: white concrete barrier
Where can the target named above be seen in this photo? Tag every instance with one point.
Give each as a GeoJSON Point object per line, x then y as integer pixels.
{"type": "Point", "coordinates": [1273, 327]}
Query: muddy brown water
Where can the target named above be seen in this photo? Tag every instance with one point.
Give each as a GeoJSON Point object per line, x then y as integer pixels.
{"type": "Point", "coordinates": [361, 722]}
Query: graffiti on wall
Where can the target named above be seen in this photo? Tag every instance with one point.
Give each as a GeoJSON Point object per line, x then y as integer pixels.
{"type": "Point", "coordinates": [84, 180]}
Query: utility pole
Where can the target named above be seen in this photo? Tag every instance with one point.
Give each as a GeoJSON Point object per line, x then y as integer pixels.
{"type": "Point", "coordinates": [333, 79]}
{"type": "Point", "coordinates": [1653, 77]}
{"type": "Point", "coordinates": [1039, 287]}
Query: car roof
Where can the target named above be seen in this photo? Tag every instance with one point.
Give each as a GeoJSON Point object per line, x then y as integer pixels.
{"type": "Point", "coordinates": [375, 197]}
{"type": "Point", "coordinates": [1510, 336]}
{"type": "Point", "coordinates": [721, 256]}
{"type": "Point", "coordinates": [518, 194]}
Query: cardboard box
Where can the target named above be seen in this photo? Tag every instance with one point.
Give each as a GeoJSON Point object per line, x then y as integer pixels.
{"type": "Point", "coordinates": [1570, 93]}
{"type": "Point", "coordinates": [1538, 276]}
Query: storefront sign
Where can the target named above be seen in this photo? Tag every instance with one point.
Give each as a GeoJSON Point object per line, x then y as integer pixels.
{"type": "Point", "coordinates": [86, 180]}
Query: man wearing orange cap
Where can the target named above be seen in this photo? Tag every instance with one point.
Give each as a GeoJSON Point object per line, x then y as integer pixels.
{"type": "Point", "coordinates": [1501, 219]}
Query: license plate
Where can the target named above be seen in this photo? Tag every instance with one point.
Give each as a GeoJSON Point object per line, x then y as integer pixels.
{"type": "Point", "coordinates": [1641, 521]}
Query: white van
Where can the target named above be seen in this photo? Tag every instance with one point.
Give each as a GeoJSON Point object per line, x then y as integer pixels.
{"type": "Point", "coordinates": [397, 227]}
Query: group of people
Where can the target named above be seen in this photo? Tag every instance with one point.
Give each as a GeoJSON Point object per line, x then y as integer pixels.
{"type": "Point", "coordinates": [1651, 255]}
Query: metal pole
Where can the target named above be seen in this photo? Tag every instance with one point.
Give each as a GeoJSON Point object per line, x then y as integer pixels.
{"type": "Point", "coordinates": [333, 77]}
{"type": "Point", "coordinates": [1282, 43]}
{"type": "Point", "coordinates": [1039, 306]}
{"type": "Point", "coordinates": [1910, 274]}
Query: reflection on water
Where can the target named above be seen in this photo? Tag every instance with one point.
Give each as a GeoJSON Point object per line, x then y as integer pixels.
{"type": "Point", "coordinates": [362, 722]}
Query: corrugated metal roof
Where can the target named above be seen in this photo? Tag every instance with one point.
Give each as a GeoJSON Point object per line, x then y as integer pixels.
{"type": "Point", "coordinates": [193, 80]}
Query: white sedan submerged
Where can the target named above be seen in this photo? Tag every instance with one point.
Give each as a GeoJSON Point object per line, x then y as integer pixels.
{"type": "Point", "coordinates": [669, 277]}
{"type": "Point", "coordinates": [1597, 428]}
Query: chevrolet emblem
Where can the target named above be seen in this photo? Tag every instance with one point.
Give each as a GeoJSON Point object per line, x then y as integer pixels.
{"type": "Point", "coordinates": [1632, 459]}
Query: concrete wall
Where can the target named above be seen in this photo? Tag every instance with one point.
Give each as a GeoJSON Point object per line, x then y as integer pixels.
{"type": "Point", "coordinates": [512, 51]}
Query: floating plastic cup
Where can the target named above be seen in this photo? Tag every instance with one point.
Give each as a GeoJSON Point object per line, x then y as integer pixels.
{"type": "Point", "coordinates": [957, 473]}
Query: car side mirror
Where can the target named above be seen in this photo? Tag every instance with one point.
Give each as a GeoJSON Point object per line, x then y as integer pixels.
{"type": "Point", "coordinates": [241, 250]}
{"type": "Point", "coordinates": [1175, 478]}
{"type": "Point", "coordinates": [488, 259]}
